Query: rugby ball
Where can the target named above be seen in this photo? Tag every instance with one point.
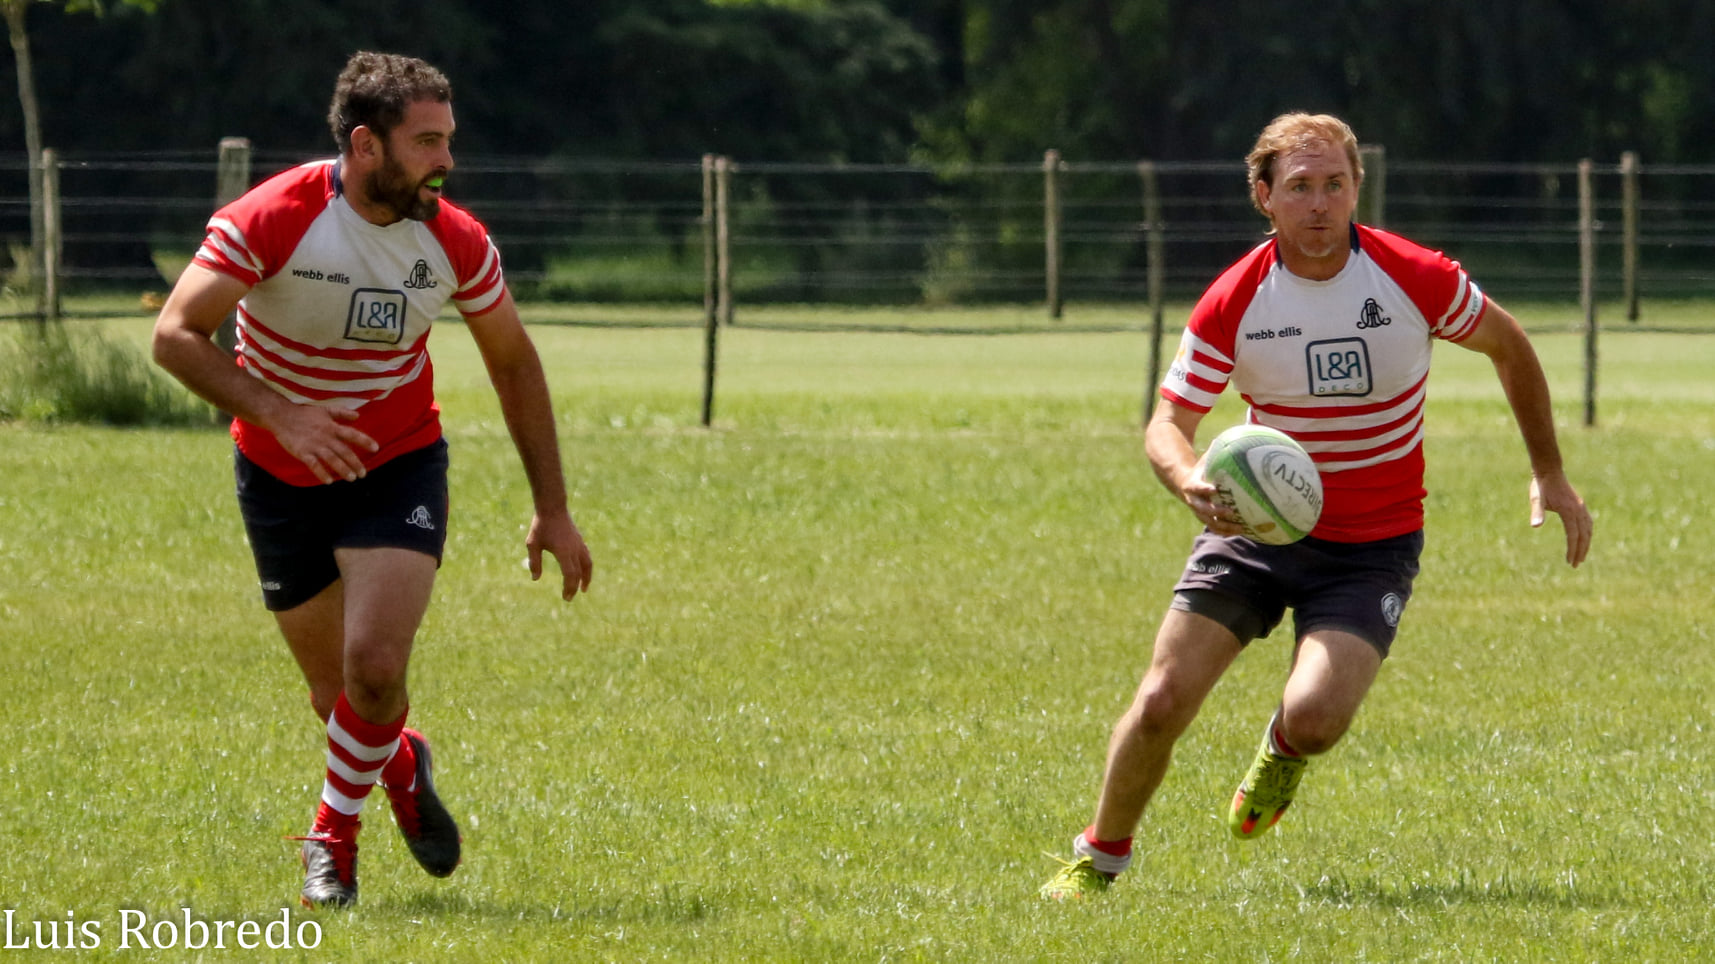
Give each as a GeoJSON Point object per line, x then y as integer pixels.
{"type": "Point", "coordinates": [1268, 479]}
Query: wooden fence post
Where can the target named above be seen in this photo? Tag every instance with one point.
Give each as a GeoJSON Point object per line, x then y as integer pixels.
{"type": "Point", "coordinates": [723, 238]}
{"type": "Point", "coordinates": [1155, 246]}
{"type": "Point", "coordinates": [1629, 222]}
{"type": "Point", "coordinates": [231, 180]}
{"type": "Point", "coordinates": [1051, 230]}
{"type": "Point", "coordinates": [232, 175]}
{"type": "Point", "coordinates": [1587, 282]}
{"type": "Point", "coordinates": [52, 236]}
{"type": "Point", "coordinates": [1372, 200]}
{"type": "Point", "coordinates": [711, 319]}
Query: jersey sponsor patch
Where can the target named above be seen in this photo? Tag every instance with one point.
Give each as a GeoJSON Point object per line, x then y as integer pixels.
{"type": "Point", "coordinates": [1339, 367]}
{"type": "Point", "coordinates": [376, 316]}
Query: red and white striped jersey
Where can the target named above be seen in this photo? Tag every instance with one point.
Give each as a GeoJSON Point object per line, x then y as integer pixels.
{"type": "Point", "coordinates": [1340, 365]}
{"type": "Point", "coordinates": [339, 309]}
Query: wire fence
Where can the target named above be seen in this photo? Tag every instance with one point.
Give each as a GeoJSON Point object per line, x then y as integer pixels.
{"type": "Point", "coordinates": [1072, 232]}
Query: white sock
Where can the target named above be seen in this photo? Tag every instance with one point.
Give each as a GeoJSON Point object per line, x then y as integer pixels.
{"type": "Point", "coordinates": [1105, 862]}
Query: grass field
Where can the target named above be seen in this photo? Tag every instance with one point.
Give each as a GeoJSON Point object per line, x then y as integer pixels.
{"type": "Point", "coordinates": [848, 669]}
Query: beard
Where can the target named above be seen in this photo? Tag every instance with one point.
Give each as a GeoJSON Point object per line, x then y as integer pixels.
{"type": "Point", "coordinates": [390, 185]}
{"type": "Point", "coordinates": [1315, 247]}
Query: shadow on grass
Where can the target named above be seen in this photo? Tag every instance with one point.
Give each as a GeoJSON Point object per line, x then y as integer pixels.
{"type": "Point", "coordinates": [1465, 891]}
{"type": "Point", "coordinates": [669, 906]}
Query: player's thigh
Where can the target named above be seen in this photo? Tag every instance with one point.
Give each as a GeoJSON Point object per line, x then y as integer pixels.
{"type": "Point", "coordinates": [387, 590]}
{"type": "Point", "coordinates": [1332, 672]}
{"type": "Point", "coordinates": [1192, 651]}
{"type": "Point", "coordinates": [390, 547]}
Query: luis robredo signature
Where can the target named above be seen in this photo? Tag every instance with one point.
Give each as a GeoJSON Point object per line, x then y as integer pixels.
{"type": "Point", "coordinates": [137, 930]}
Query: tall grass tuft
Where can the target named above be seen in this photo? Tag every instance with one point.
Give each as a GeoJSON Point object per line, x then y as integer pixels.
{"type": "Point", "coordinates": [49, 373]}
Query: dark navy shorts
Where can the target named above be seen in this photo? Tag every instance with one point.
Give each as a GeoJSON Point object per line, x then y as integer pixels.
{"type": "Point", "coordinates": [294, 530]}
{"type": "Point", "coordinates": [1355, 587]}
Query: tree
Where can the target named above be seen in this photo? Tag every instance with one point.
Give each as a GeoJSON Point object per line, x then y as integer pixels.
{"type": "Point", "coordinates": [17, 28]}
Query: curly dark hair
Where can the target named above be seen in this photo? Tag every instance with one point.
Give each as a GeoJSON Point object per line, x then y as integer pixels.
{"type": "Point", "coordinates": [374, 89]}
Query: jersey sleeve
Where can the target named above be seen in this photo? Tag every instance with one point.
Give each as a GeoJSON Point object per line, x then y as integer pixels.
{"type": "Point", "coordinates": [251, 238]}
{"type": "Point", "coordinates": [1445, 295]}
{"type": "Point", "coordinates": [1198, 375]}
{"type": "Point", "coordinates": [1204, 363]}
{"type": "Point", "coordinates": [475, 260]}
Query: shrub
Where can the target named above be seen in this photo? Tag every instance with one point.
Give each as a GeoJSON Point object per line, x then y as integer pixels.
{"type": "Point", "coordinates": [49, 373]}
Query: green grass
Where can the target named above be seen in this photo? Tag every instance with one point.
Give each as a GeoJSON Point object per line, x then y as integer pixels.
{"type": "Point", "coordinates": [848, 668]}
{"type": "Point", "coordinates": [51, 373]}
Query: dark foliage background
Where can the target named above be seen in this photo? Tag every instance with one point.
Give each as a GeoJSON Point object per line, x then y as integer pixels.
{"type": "Point", "coordinates": [891, 80]}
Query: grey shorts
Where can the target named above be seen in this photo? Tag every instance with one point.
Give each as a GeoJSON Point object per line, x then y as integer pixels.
{"type": "Point", "coordinates": [1355, 587]}
{"type": "Point", "coordinates": [294, 530]}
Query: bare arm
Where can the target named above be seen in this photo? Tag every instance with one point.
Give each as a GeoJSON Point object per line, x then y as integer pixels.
{"type": "Point", "coordinates": [1499, 336]}
{"type": "Point", "coordinates": [1169, 440]}
{"type": "Point", "coordinates": [183, 344]}
{"type": "Point", "coordinates": [522, 387]}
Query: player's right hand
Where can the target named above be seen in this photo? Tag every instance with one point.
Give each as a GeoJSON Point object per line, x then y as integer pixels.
{"type": "Point", "coordinates": [322, 440]}
{"type": "Point", "coordinates": [1200, 495]}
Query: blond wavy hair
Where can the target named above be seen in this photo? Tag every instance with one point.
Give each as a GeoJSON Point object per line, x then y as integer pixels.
{"type": "Point", "coordinates": [1290, 132]}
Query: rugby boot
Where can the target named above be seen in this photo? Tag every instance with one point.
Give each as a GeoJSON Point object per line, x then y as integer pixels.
{"type": "Point", "coordinates": [428, 829]}
{"type": "Point", "coordinates": [1075, 880]}
{"type": "Point", "coordinates": [330, 868]}
{"type": "Point", "coordinates": [1267, 790]}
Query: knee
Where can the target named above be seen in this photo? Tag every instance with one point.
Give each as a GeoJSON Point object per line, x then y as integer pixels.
{"type": "Point", "coordinates": [374, 675]}
{"type": "Point", "coordinates": [1313, 730]}
{"type": "Point", "coordinates": [1160, 710]}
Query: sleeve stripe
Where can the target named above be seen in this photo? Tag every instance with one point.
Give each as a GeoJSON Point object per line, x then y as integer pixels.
{"type": "Point", "coordinates": [1168, 395]}
{"type": "Point", "coordinates": [1467, 309]}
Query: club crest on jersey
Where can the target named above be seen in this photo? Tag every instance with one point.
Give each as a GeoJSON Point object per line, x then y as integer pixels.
{"type": "Point", "coordinates": [1339, 367]}
{"type": "Point", "coordinates": [1370, 316]}
{"type": "Point", "coordinates": [377, 316]}
{"type": "Point", "coordinates": [420, 276]}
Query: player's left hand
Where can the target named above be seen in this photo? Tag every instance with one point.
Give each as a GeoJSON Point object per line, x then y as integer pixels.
{"type": "Point", "coordinates": [557, 534]}
{"type": "Point", "coordinates": [1553, 493]}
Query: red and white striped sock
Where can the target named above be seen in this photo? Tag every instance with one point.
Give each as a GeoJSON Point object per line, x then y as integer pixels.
{"type": "Point", "coordinates": [400, 773]}
{"type": "Point", "coordinates": [1108, 856]}
{"type": "Point", "coordinates": [357, 752]}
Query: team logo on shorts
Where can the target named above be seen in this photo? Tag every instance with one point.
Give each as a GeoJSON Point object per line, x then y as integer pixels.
{"type": "Point", "coordinates": [1392, 607]}
{"type": "Point", "coordinates": [420, 518]}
